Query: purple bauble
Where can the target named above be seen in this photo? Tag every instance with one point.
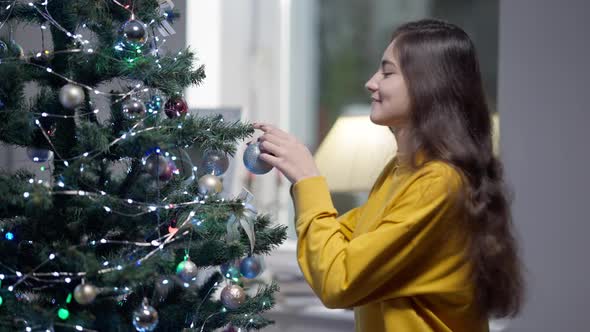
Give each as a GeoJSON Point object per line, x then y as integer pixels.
{"type": "Point", "coordinates": [175, 107]}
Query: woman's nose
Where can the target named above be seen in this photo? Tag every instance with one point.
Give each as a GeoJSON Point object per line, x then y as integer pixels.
{"type": "Point", "coordinates": [371, 84]}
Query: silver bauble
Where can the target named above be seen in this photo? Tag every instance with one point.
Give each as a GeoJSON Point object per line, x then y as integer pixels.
{"type": "Point", "coordinates": [210, 184]}
{"type": "Point", "coordinates": [214, 162]}
{"type": "Point", "coordinates": [85, 293]}
{"type": "Point", "coordinates": [135, 33]}
{"type": "Point", "coordinates": [145, 318]}
{"type": "Point", "coordinates": [156, 165]}
{"type": "Point", "coordinates": [71, 96]}
{"type": "Point", "coordinates": [252, 160]}
{"type": "Point", "coordinates": [233, 296]}
{"type": "Point", "coordinates": [187, 270]}
{"type": "Point", "coordinates": [39, 155]}
{"type": "Point", "coordinates": [133, 108]}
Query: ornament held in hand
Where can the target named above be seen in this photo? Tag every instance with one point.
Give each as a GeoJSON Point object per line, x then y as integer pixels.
{"type": "Point", "coordinates": [252, 160]}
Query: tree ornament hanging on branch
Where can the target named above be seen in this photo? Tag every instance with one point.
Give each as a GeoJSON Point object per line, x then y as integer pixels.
{"type": "Point", "coordinates": [134, 108]}
{"type": "Point", "coordinates": [210, 184]}
{"type": "Point", "coordinates": [233, 296]}
{"type": "Point", "coordinates": [215, 163]}
{"type": "Point", "coordinates": [187, 270]}
{"type": "Point", "coordinates": [161, 167]}
{"type": "Point", "coordinates": [134, 33]}
{"type": "Point", "coordinates": [175, 107]}
{"type": "Point", "coordinates": [85, 293]}
{"type": "Point", "coordinates": [145, 318]}
{"type": "Point", "coordinates": [71, 96]}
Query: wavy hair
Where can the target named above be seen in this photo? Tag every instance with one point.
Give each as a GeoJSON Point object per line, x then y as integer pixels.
{"type": "Point", "coordinates": [450, 121]}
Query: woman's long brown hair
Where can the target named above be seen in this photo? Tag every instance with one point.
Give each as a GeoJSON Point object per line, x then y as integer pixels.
{"type": "Point", "coordinates": [451, 122]}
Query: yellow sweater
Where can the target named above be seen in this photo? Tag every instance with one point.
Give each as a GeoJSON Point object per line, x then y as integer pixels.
{"type": "Point", "coordinates": [398, 260]}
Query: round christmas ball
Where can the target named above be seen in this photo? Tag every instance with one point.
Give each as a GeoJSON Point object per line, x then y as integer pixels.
{"type": "Point", "coordinates": [187, 270]}
{"type": "Point", "coordinates": [233, 296]}
{"type": "Point", "coordinates": [169, 171]}
{"type": "Point", "coordinates": [156, 165]}
{"type": "Point", "coordinates": [39, 155]}
{"type": "Point", "coordinates": [133, 108]}
{"type": "Point", "coordinates": [250, 267]}
{"type": "Point", "coordinates": [145, 318]}
{"type": "Point", "coordinates": [252, 160]}
{"type": "Point", "coordinates": [175, 107]}
{"type": "Point", "coordinates": [85, 293]}
{"type": "Point", "coordinates": [71, 96]}
{"type": "Point", "coordinates": [215, 162]}
{"type": "Point", "coordinates": [210, 184]}
{"type": "Point", "coordinates": [135, 33]}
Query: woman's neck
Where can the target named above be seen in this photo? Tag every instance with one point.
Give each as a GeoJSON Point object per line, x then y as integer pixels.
{"type": "Point", "coordinates": [402, 138]}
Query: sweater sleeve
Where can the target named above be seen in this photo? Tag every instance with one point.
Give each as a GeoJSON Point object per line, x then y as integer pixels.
{"type": "Point", "coordinates": [400, 257]}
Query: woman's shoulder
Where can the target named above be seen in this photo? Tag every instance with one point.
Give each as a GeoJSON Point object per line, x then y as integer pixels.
{"type": "Point", "coordinates": [439, 174]}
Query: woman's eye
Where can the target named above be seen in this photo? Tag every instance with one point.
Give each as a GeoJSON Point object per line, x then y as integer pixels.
{"type": "Point", "coordinates": [387, 74]}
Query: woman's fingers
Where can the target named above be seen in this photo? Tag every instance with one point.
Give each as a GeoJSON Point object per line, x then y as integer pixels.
{"type": "Point", "coordinates": [270, 159]}
{"type": "Point", "coordinates": [270, 129]}
{"type": "Point", "coordinates": [272, 138]}
{"type": "Point", "coordinates": [271, 147]}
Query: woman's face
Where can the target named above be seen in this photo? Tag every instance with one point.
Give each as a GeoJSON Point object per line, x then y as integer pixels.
{"type": "Point", "coordinates": [390, 102]}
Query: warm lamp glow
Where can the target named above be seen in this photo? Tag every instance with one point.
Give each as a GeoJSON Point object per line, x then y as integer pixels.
{"type": "Point", "coordinates": [355, 151]}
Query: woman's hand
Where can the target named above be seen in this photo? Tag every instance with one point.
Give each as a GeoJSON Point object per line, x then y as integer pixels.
{"type": "Point", "coordinates": [286, 153]}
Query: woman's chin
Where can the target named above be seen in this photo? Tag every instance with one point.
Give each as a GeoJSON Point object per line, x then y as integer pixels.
{"type": "Point", "coordinates": [376, 119]}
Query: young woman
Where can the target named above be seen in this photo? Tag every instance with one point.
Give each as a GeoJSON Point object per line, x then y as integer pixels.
{"type": "Point", "coordinates": [432, 249]}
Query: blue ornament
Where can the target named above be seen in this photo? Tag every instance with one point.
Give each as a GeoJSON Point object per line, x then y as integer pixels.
{"type": "Point", "coordinates": [39, 155]}
{"type": "Point", "coordinates": [250, 267]}
{"type": "Point", "coordinates": [252, 161]}
{"type": "Point", "coordinates": [214, 162]}
{"type": "Point", "coordinates": [170, 16]}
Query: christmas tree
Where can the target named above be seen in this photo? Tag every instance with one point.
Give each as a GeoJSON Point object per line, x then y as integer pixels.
{"type": "Point", "coordinates": [117, 228]}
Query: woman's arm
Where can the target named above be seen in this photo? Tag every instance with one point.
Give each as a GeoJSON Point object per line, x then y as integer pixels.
{"type": "Point", "coordinates": [408, 253]}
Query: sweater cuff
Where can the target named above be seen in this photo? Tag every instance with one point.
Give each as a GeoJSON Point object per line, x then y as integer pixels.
{"type": "Point", "coordinates": [311, 194]}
